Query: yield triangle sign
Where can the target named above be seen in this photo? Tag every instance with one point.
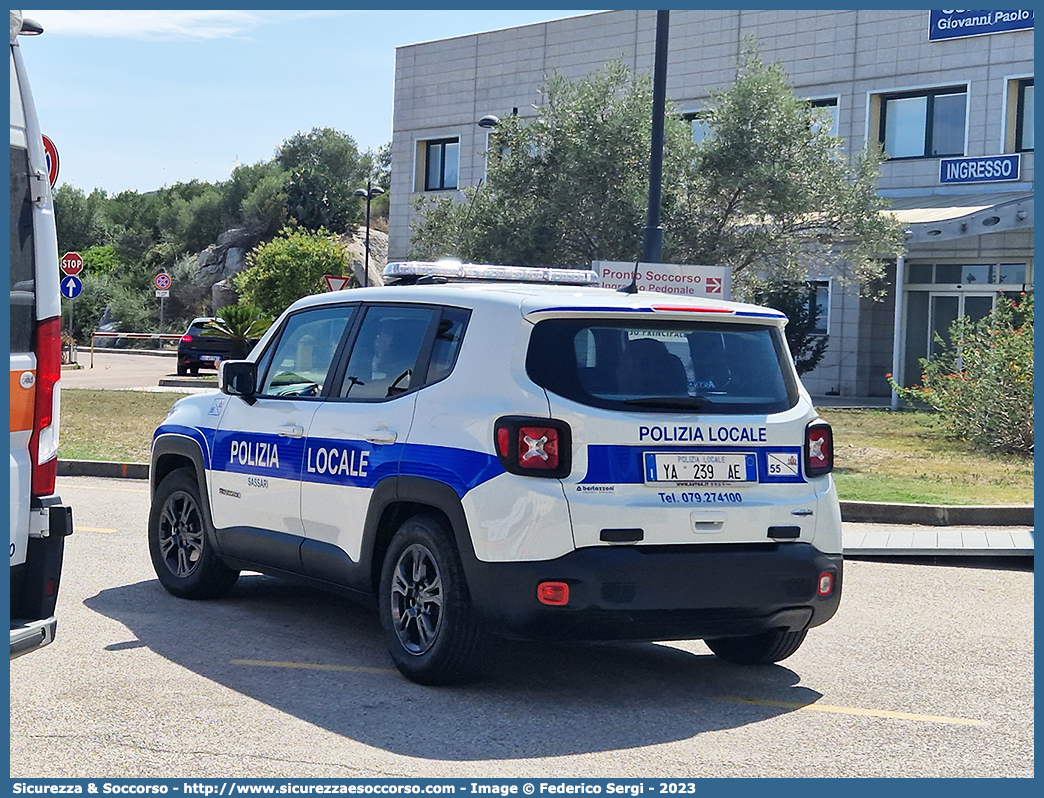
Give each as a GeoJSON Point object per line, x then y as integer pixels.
{"type": "Point", "coordinates": [335, 282]}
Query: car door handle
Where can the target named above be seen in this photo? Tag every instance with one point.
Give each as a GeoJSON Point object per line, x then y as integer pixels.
{"type": "Point", "coordinates": [290, 431]}
{"type": "Point", "coordinates": [381, 435]}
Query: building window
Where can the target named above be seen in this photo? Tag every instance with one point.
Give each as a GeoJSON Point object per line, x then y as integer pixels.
{"type": "Point", "coordinates": [819, 301]}
{"type": "Point", "coordinates": [967, 275]}
{"type": "Point", "coordinates": [1024, 117]}
{"type": "Point", "coordinates": [441, 164]}
{"type": "Point", "coordinates": [699, 123]}
{"type": "Point", "coordinates": [828, 105]}
{"type": "Point", "coordinates": [925, 124]}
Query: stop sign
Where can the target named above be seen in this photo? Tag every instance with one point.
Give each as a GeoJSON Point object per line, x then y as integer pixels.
{"type": "Point", "coordinates": [72, 263]}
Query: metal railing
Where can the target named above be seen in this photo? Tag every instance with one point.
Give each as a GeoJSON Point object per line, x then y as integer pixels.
{"type": "Point", "coordinates": [153, 336]}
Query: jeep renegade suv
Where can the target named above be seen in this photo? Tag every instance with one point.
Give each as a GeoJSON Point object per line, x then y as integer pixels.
{"type": "Point", "coordinates": [524, 459]}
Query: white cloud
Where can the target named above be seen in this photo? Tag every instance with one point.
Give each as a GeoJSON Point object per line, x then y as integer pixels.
{"type": "Point", "coordinates": [151, 25]}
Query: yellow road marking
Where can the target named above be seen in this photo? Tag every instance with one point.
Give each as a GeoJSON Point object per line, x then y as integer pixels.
{"type": "Point", "coordinates": [873, 713]}
{"type": "Point", "coordinates": [311, 667]}
{"type": "Point", "coordinates": [81, 528]}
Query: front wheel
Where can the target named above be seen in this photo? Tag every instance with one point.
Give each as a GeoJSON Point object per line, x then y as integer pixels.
{"type": "Point", "coordinates": [432, 634]}
{"type": "Point", "coordinates": [180, 543]}
{"type": "Point", "coordinates": [760, 649]}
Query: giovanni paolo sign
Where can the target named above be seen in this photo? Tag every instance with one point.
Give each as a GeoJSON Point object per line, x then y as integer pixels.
{"type": "Point", "coordinates": [667, 278]}
{"type": "Point", "coordinates": [958, 24]}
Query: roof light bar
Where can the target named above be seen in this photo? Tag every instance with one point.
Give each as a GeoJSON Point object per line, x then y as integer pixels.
{"type": "Point", "coordinates": [455, 270]}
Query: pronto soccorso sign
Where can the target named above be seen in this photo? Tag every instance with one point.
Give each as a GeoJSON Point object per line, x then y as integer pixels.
{"type": "Point", "coordinates": [959, 24]}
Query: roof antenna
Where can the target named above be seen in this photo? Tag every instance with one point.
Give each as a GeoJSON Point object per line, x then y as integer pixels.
{"type": "Point", "coordinates": [633, 287]}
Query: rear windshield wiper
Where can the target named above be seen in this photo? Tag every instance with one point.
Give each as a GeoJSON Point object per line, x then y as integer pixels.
{"type": "Point", "coordinates": [681, 402]}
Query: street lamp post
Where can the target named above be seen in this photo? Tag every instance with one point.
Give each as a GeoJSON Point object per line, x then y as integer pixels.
{"type": "Point", "coordinates": [369, 192]}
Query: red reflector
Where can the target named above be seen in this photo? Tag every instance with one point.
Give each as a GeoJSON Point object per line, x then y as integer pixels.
{"type": "Point", "coordinates": [538, 448]}
{"type": "Point", "coordinates": [50, 588]}
{"type": "Point", "coordinates": [186, 339]}
{"type": "Point", "coordinates": [676, 309]}
{"type": "Point", "coordinates": [554, 594]}
{"type": "Point", "coordinates": [826, 583]}
{"type": "Point", "coordinates": [503, 439]}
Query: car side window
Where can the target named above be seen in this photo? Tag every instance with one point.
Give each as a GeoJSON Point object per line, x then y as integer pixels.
{"type": "Point", "coordinates": [385, 353]}
{"type": "Point", "coordinates": [448, 337]}
{"type": "Point", "coordinates": [301, 360]}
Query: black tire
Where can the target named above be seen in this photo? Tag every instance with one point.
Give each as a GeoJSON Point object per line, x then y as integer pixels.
{"type": "Point", "coordinates": [193, 370]}
{"type": "Point", "coordinates": [430, 626]}
{"type": "Point", "coordinates": [182, 370]}
{"type": "Point", "coordinates": [760, 649]}
{"type": "Point", "coordinates": [180, 541]}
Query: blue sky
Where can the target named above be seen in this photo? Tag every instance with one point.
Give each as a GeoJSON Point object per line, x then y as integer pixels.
{"type": "Point", "coordinates": [142, 99]}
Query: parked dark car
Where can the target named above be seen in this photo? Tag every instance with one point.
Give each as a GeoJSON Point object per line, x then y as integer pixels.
{"type": "Point", "coordinates": [199, 348]}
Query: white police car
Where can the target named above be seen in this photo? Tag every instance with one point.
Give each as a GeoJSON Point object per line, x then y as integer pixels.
{"type": "Point", "coordinates": [523, 459]}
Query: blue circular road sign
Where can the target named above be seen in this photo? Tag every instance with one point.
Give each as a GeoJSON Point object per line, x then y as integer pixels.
{"type": "Point", "coordinates": [71, 286]}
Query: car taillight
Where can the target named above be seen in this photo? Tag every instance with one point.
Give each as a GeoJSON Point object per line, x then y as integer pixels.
{"type": "Point", "coordinates": [819, 449]}
{"type": "Point", "coordinates": [186, 339]}
{"type": "Point", "coordinates": [533, 446]}
{"type": "Point", "coordinates": [43, 445]}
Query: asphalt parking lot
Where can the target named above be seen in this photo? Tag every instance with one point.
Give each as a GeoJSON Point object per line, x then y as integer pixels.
{"type": "Point", "coordinates": [927, 670]}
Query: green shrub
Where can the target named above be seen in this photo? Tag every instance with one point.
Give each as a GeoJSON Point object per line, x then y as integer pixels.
{"type": "Point", "coordinates": [982, 382]}
{"type": "Point", "coordinates": [289, 267]}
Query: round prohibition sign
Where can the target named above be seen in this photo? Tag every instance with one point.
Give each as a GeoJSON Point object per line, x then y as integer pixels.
{"type": "Point", "coordinates": [162, 281]}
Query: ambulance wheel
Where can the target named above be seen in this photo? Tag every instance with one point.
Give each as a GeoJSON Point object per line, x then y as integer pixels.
{"type": "Point", "coordinates": [180, 541]}
{"type": "Point", "coordinates": [430, 626]}
{"type": "Point", "coordinates": [760, 649]}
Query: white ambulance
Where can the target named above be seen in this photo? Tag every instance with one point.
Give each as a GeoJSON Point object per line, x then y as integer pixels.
{"type": "Point", "coordinates": [517, 453]}
{"type": "Point", "coordinates": [39, 521]}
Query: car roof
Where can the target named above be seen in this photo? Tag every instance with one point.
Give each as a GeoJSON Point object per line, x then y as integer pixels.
{"type": "Point", "coordinates": [541, 300]}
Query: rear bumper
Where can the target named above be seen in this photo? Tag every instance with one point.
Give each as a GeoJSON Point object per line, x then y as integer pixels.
{"type": "Point", "coordinates": [35, 583]}
{"type": "Point", "coordinates": [660, 592]}
{"type": "Point", "coordinates": [29, 636]}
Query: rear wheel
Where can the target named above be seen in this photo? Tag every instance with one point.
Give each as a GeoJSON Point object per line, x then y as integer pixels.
{"type": "Point", "coordinates": [180, 541]}
{"type": "Point", "coordinates": [193, 370]}
{"type": "Point", "coordinates": [432, 634]}
{"type": "Point", "coordinates": [182, 369]}
{"type": "Point", "coordinates": [760, 649]}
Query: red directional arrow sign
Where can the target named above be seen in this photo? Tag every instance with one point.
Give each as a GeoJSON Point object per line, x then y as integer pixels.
{"type": "Point", "coordinates": [72, 263]}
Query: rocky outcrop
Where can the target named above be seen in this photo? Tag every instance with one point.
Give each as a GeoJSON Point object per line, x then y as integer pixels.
{"type": "Point", "coordinates": [227, 257]}
{"type": "Point", "coordinates": [355, 245]}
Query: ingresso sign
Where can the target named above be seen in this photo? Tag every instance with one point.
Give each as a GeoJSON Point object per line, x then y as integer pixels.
{"type": "Point", "coordinates": [959, 24]}
{"type": "Point", "coordinates": [991, 169]}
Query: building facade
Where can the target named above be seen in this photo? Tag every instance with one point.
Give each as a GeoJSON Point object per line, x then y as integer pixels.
{"type": "Point", "coordinates": [949, 94]}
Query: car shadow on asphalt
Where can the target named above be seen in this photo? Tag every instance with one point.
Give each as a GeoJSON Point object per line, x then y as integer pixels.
{"type": "Point", "coordinates": [322, 658]}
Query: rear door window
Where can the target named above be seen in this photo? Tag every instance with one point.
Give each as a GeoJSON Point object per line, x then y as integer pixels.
{"type": "Point", "coordinates": [666, 366]}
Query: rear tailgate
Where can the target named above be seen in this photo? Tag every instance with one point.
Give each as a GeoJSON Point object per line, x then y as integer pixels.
{"type": "Point", "coordinates": [686, 427]}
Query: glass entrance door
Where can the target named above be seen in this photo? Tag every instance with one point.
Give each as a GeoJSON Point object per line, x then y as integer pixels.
{"type": "Point", "coordinates": [930, 314]}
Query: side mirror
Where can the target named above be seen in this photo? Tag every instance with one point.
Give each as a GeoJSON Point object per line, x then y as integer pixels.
{"type": "Point", "coordinates": [238, 378]}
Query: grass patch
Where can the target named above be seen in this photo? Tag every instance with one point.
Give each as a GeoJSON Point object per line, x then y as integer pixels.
{"type": "Point", "coordinates": [880, 456]}
{"type": "Point", "coordinates": [111, 425]}
{"type": "Point", "coordinates": [908, 457]}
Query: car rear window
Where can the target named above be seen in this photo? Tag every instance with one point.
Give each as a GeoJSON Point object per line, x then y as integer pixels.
{"type": "Point", "coordinates": [664, 367]}
{"type": "Point", "coordinates": [200, 330]}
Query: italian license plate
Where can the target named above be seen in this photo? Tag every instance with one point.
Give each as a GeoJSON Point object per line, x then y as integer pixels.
{"type": "Point", "coordinates": [663, 467]}
{"type": "Point", "coordinates": [210, 358]}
